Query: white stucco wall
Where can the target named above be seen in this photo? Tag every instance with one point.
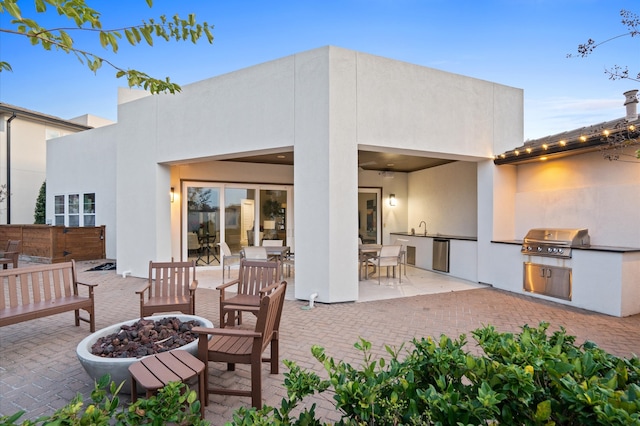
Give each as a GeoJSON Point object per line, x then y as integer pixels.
{"type": "Point", "coordinates": [86, 163]}
{"type": "Point", "coordinates": [28, 163]}
{"type": "Point", "coordinates": [28, 166]}
{"type": "Point", "coordinates": [446, 198]}
{"type": "Point", "coordinates": [326, 104]}
{"type": "Point", "coordinates": [583, 191]}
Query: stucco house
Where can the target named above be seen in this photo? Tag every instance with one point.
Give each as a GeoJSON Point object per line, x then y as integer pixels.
{"type": "Point", "coordinates": [23, 137]}
{"type": "Point", "coordinates": [286, 149]}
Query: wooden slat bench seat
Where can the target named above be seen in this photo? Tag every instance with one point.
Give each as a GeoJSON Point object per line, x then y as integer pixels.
{"type": "Point", "coordinates": [38, 291]}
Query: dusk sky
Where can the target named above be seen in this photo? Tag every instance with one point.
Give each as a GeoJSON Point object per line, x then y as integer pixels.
{"type": "Point", "coordinates": [518, 43]}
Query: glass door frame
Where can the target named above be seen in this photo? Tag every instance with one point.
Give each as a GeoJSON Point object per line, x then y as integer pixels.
{"type": "Point", "coordinates": [378, 217]}
{"type": "Point", "coordinates": [221, 187]}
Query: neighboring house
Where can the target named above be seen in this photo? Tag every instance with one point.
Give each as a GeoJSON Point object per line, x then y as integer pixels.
{"type": "Point", "coordinates": [311, 133]}
{"type": "Point", "coordinates": [23, 137]}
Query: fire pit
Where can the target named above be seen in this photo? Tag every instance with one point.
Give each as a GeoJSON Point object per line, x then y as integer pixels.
{"type": "Point", "coordinates": [97, 366]}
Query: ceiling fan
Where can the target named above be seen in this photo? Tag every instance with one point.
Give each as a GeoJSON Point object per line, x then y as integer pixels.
{"type": "Point", "coordinates": [361, 166]}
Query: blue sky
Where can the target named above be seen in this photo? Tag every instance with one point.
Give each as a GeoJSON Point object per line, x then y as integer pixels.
{"type": "Point", "coordinates": [519, 43]}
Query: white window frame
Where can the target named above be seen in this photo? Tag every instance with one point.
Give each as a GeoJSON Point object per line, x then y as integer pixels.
{"type": "Point", "coordinates": [78, 213]}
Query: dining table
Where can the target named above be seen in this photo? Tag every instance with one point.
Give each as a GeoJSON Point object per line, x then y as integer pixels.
{"type": "Point", "coordinates": [366, 252]}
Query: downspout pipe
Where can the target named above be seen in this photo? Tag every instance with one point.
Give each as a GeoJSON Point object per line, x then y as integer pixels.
{"type": "Point", "coordinates": [9, 120]}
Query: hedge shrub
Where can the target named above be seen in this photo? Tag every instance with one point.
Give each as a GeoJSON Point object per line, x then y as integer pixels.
{"type": "Point", "coordinates": [530, 378]}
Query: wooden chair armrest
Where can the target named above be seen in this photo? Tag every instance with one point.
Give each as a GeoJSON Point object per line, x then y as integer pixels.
{"type": "Point", "coordinates": [143, 289]}
{"type": "Point", "coordinates": [228, 284]}
{"type": "Point", "coordinates": [87, 284]}
{"type": "Point", "coordinates": [225, 332]}
{"type": "Point", "coordinates": [268, 289]}
{"type": "Point", "coordinates": [194, 285]}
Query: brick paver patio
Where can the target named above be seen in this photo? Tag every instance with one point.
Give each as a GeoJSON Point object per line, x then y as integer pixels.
{"type": "Point", "coordinates": [39, 371]}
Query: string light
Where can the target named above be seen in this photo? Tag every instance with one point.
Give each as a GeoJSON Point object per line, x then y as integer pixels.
{"type": "Point", "coordinates": [611, 138]}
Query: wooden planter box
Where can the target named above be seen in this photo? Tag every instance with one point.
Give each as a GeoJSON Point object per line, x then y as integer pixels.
{"type": "Point", "coordinates": [55, 244]}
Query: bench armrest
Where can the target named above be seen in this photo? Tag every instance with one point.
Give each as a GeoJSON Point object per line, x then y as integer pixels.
{"type": "Point", "coordinates": [88, 286]}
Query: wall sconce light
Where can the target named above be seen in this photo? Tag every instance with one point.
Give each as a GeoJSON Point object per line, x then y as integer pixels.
{"type": "Point", "coordinates": [392, 200]}
{"type": "Point", "coordinates": [173, 194]}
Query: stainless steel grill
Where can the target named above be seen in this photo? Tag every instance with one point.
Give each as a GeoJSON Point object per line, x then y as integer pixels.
{"type": "Point", "coordinates": [554, 242]}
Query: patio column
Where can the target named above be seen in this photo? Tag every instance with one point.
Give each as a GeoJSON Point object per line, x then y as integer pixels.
{"type": "Point", "coordinates": [325, 176]}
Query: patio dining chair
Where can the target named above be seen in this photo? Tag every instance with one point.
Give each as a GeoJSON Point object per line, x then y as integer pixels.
{"type": "Point", "coordinates": [289, 262]}
{"type": "Point", "coordinates": [403, 254]}
{"type": "Point", "coordinates": [228, 258]}
{"type": "Point", "coordinates": [389, 256]}
{"type": "Point", "coordinates": [254, 253]}
{"type": "Point", "coordinates": [193, 243]}
{"type": "Point", "coordinates": [272, 243]}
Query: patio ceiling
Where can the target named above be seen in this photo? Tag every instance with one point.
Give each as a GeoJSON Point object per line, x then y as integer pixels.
{"type": "Point", "coordinates": [367, 160]}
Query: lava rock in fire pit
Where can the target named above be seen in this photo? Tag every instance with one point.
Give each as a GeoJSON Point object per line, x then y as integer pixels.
{"type": "Point", "coordinates": [145, 337]}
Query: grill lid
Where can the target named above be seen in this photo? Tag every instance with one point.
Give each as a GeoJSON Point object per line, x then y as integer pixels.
{"type": "Point", "coordinates": [564, 237]}
{"type": "Point", "coordinates": [554, 242]}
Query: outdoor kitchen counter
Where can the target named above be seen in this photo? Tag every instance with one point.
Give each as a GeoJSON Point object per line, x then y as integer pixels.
{"type": "Point", "coordinates": [439, 236]}
{"type": "Point", "coordinates": [613, 249]}
{"type": "Point", "coordinates": [463, 252]}
{"type": "Point", "coordinates": [604, 278]}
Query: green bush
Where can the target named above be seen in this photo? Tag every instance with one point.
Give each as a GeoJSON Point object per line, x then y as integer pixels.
{"type": "Point", "coordinates": [173, 404]}
{"type": "Point", "coordinates": [530, 378]}
{"type": "Point", "coordinates": [40, 212]}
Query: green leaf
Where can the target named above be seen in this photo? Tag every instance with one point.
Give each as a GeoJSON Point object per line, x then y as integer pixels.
{"type": "Point", "coordinates": [12, 7]}
{"type": "Point", "coordinates": [130, 36]}
{"type": "Point", "coordinates": [66, 41]}
{"type": "Point", "coordinates": [104, 39]}
{"type": "Point", "coordinates": [40, 6]}
{"type": "Point", "coordinates": [543, 411]}
{"type": "Point", "coordinates": [146, 33]}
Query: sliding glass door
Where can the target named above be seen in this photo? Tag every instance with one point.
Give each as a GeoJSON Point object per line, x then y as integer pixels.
{"type": "Point", "coordinates": [203, 224]}
{"type": "Point", "coordinates": [240, 208]}
{"type": "Point", "coordinates": [251, 214]}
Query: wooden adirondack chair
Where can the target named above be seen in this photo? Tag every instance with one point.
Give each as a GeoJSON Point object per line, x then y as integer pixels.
{"type": "Point", "coordinates": [241, 346]}
{"type": "Point", "coordinates": [171, 287]}
{"type": "Point", "coordinates": [253, 276]}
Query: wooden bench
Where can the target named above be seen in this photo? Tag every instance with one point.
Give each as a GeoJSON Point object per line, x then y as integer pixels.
{"type": "Point", "coordinates": [38, 291]}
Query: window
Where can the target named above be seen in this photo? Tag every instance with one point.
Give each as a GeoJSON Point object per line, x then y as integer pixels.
{"type": "Point", "coordinates": [59, 210]}
{"type": "Point", "coordinates": [89, 210]}
{"type": "Point", "coordinates": [69, 210]}
{"type": "Point", "coordinates": [74, 210]}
